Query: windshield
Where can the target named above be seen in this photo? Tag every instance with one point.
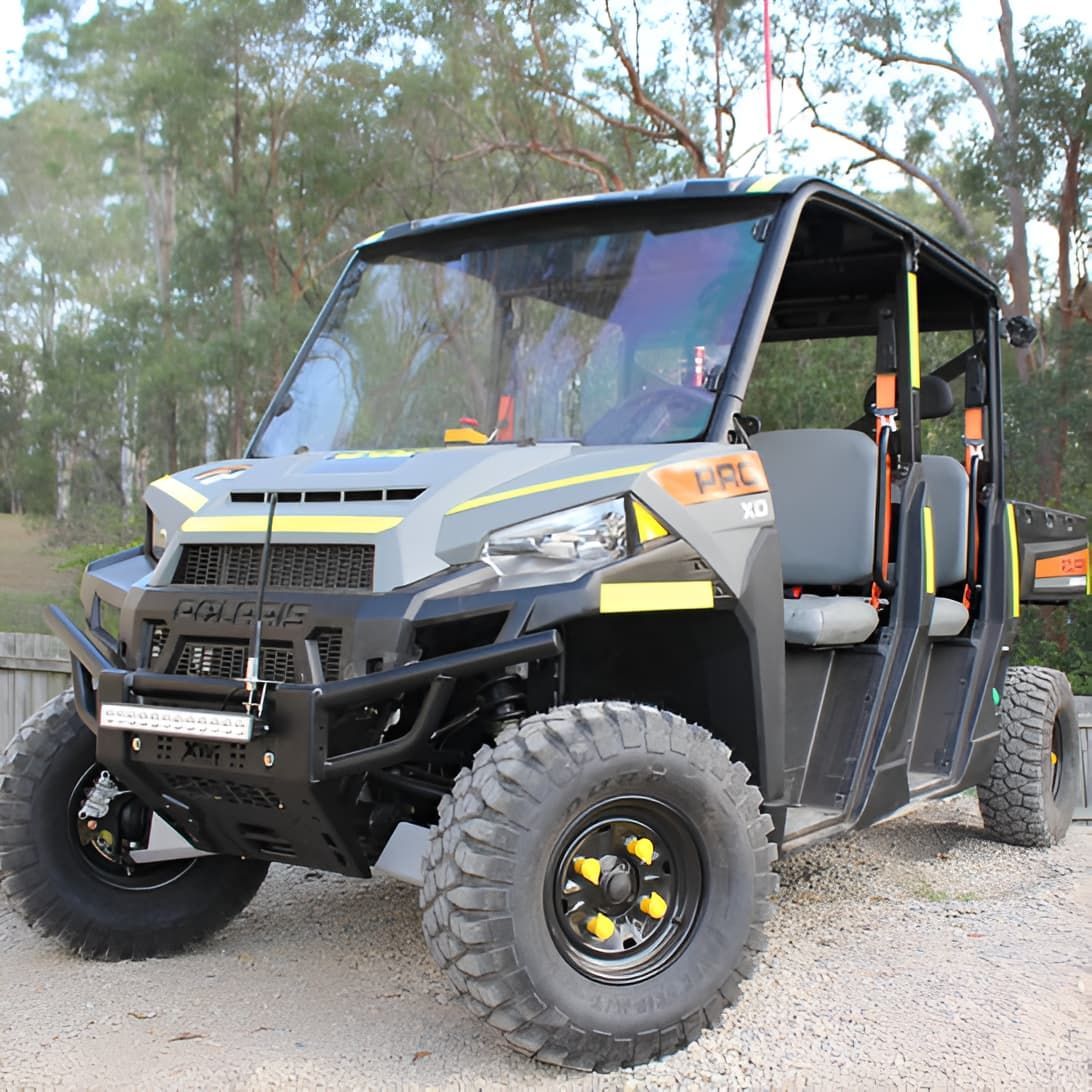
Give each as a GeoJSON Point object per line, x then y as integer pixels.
{"type": "Point", "coordinates": [564, 335]}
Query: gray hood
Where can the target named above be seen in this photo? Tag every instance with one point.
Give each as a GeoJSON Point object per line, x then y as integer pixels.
{"type": "Point", "coordinates": [424, 510]}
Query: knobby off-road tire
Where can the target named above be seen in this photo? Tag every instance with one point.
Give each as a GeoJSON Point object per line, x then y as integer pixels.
{"type": "Point", "coordinates": [503, 902]}
{"type": "Point", "coordinates": [1031, 792]}
{"type": "Point", "coordinates": [63, 891]}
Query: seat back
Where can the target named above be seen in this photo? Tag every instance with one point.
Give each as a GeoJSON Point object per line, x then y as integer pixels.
{"type": "Point", "coordinates": [823, 485]}
{"type": "Point", "coordinates": [948, 494]}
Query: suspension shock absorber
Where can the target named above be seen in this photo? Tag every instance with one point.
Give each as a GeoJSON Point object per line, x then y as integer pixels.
{"type": "Point", "coordinates": [502, 702]}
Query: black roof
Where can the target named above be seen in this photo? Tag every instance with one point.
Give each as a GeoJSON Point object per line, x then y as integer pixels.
{"type": "Point", "coordinates": [770, 185]}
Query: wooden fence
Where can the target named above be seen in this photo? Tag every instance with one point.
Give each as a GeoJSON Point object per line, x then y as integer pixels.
{"type": "Point", "coordinates": [33, 667]}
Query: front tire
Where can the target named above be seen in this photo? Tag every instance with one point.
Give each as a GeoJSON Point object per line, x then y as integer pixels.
{"type": "Point", "coordinates": [612, 963]}
{"type": "Point", "coordinates": [65, 887]}
{"type": "Point", "coordinates": [1031, 792]}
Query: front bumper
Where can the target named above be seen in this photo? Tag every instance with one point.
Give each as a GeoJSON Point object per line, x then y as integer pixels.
{"type": "Point", "coordinates": [287, 794]}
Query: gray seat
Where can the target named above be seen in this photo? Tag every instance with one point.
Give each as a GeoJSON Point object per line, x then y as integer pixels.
{"type": "Point", "coordinates": [823, 487]}
{"type": "Point", "coordinates": [947, 493]}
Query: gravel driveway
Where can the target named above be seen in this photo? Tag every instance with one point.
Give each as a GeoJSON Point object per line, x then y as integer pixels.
{"type": "Point", "coordinates": [915, 954]}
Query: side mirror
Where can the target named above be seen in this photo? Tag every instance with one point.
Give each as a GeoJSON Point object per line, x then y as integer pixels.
{"type": "Point", "coordinates": [1020, 331]}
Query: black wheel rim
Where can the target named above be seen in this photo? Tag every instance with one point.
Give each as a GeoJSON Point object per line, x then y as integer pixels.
{"type": "Point", "coordinates": [1054, 761]}
{"type": "Point", "coordinates": [117, 872]}
{"type": "Point", "coordinates": [627, 919]}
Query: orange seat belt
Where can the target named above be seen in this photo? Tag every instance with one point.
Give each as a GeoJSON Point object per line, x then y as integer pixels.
{"type": "Point", "coordinates": [506, 419]}
{"type": "Point", "coordinates": [973, 442]}
{"type": "Point", "coordinates": [885, 411]}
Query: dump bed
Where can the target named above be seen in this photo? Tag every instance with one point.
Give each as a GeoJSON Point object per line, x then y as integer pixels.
{"type": "Point", "coordinates": [1053, 550]}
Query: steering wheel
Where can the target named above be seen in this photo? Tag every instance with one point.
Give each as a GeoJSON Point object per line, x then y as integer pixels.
{"type": "Point", "coordinates": [661, 415]}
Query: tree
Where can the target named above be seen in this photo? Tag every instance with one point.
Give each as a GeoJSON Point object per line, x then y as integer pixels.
{"type": "Point", "coordinates": [1027, 158]}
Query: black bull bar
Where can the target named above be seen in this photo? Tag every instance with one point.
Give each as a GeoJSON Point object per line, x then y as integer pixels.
{"type": "Point", "coordinates": [305, 704]}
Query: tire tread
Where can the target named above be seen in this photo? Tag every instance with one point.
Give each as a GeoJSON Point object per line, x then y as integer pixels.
{"type": "Point", "coordinates": [34, 893]}
{"type": "Point", "coordinates": [465, 900]}
{"type": "Point", "coordinates": [1014, 799]}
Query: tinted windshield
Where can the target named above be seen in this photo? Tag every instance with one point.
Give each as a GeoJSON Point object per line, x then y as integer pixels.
{"type": "Point", "coordinates": [596, 338]}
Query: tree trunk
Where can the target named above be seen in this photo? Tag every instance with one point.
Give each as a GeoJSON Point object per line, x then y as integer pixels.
{"type": "Point", "coordinates": [160, 189]}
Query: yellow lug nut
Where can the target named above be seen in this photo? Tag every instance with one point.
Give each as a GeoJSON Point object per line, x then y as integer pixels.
{"type": "Point", "coordinates": [600, 927]}
{"type": "Point", "coordinates": [588, 868]}
{"type": "Point", "coordinates": [654, 906]}
{"type": "Point", "coordinates": [641, 848]}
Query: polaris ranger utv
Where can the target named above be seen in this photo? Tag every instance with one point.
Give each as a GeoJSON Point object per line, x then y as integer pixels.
{"type": "Point", "coordinates": [543, 586]}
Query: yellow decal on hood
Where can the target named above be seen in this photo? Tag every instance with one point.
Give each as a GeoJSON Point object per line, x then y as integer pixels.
{"type": "Point", "coordinates": [545, 487]}
{"type": "Point", "coordinates": [318, 525]}
{"type": "Point", "coordinates": [180, 492]}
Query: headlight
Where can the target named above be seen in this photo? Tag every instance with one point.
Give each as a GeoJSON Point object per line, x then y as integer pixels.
{"type": "Point", "coordinates": [155, 537]}
{"type": "Point", "coordinates": [563, 545]}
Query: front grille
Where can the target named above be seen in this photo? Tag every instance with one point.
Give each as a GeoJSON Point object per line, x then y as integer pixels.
{"type": "Point", "coordinates": [160, 633]}
{"type": "Point", "coordinates": [227, 660]}
{"type": "Point", "coordinates": [346, 566]}
{"type": "Point", "coordinates": [328, 642]}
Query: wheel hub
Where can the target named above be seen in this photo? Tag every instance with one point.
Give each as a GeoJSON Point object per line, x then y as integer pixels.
{"type": "Point", "coordinates": [106, 820]}
{"type": "Point", "coordinates": [624, 889]}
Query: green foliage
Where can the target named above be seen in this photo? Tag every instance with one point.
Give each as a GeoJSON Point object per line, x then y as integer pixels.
{"type": "Point", "coordinates": [181, 181]}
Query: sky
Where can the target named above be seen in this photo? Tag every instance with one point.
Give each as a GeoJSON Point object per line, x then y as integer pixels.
{"type": "Point", "coordinates": [975, 40]}
{"type": "Point", "coordinates": [977, 30]}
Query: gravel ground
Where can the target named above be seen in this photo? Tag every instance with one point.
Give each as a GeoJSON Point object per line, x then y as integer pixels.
{"type": "Point", "coordinates": [916, 954]}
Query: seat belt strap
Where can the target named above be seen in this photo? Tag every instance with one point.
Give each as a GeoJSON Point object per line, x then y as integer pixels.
{"type": "Point", "coordinates": [973, 443]}
{"type": "Point", "coordinates": [885, 411]}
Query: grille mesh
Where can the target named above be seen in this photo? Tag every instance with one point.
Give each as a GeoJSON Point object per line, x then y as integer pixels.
{"type": "Point", "coordinates": [160, 633]}
{"type": "Point", "coordinates": [329, 652]}
{"type": "Point", "coordinates": [227, 660]}
{"type": "Point", "coordinates": [345, 566]}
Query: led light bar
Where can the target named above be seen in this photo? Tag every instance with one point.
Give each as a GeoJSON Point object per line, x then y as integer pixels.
{"type": "Point", "coordinates": [192, 723]}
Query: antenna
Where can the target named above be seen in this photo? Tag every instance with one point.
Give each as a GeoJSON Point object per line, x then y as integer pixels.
{"type": "Point", "coordinates": [254, 659]}
{"type": "Point", "coordinates": [768, 56]}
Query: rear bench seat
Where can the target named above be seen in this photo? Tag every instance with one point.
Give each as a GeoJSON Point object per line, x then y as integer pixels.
{"type": "Point", "coordinates": [823, 485]}
{"type": "Point", "coordinates": [947, 493]}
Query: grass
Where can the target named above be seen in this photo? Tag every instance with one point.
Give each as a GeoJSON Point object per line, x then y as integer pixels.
{"type": "Point", "coordinates": [31, 577]}
{"type": "Point", "coordinates": [924, 890]}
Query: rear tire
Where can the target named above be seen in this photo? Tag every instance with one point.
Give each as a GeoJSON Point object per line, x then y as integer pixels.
{"type": "Point", "coordinates": [66, 889]}
{"type": "Point", "coordinates": [1031, 792]}
{"type": "Point", "coordinates": [509, 906]}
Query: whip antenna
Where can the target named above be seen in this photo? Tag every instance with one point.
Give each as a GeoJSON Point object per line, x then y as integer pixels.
{"type": "Point", "coordinates": [769, 79]}
{"type": "Point", "coordinates": [254, 659]}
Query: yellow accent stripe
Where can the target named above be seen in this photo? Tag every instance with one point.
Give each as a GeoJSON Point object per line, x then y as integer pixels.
{"type": "Point", "coordinates": [929, 542]}
{"type": "Point", "coordinates": [648, 526]}
{"type": "Point", "coordinates": [180, 492]}
{"type": "Point", "coordinates": [1014, 560]}
{"type": "Point", "coordinates": [319, 525]}
{"type": "Point", "coordinates": [656, 595]}
{"type": "Point", "coordinates": [765, 183]}
{"type": "Point", "coordinates": [394, 453]}
{"type": "Point", "coordinates": [545, 487]}
{"type": "Point", "coordinates": [374, 237]}
{"type": "Point", "coordinates": [912, 323]}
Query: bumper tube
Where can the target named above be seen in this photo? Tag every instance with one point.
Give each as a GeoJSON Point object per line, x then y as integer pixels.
{"type": "Point", "coordinates": [88, 664]}
{"type": "Point", "coordinates": [309, 703]}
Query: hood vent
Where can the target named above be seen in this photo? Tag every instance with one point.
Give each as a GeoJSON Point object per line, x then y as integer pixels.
{"type": "Point", "coordinates": [330, 496]}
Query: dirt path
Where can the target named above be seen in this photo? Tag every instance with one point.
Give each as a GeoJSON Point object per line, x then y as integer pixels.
{"type": "Point", "coordinates": [915, 955]}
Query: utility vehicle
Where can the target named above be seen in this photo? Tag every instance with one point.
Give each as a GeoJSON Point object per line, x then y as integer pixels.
{"type": "Point", "coordinates": [559, 580]}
